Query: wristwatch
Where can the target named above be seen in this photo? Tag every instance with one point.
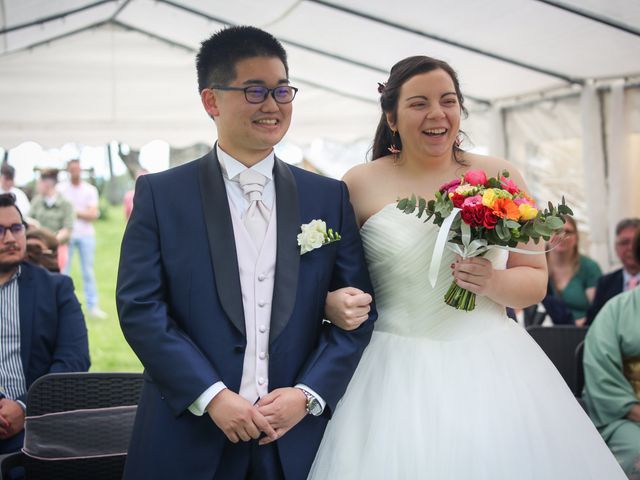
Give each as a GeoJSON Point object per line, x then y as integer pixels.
{"type": "Point", "coordinates": [313, 405]}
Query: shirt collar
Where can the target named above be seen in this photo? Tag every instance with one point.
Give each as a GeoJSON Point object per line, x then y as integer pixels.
{"type": "Point", "coordinates": [231, 167]}
{"type": "Point", "coordinates": [13, 278]}
{"type": "Point", "coordinates": [626, 276]}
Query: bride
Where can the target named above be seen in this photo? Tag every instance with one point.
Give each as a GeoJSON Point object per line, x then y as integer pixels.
{"type": "Point", "coordinates": [440, 393]}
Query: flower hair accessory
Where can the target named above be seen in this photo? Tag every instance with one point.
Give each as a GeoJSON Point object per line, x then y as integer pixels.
{"type": "Point", "coordinates": [381, 87]}
{"type": "Point", "coordinates": [314, 235]}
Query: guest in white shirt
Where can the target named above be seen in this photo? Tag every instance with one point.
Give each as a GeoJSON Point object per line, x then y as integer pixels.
{"type": "Point", "coordinates": [84, 198]}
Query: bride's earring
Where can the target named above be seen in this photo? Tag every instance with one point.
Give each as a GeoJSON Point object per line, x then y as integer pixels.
{"type": "Point", "coordinates": [394, 149]}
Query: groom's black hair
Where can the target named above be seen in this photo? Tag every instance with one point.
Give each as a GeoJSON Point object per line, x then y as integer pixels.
{"type": "Point", "coordinates": [218, 55]}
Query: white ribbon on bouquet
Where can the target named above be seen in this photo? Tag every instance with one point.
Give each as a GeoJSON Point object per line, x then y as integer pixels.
{"type": "Point", "coordinates": [468, 248]}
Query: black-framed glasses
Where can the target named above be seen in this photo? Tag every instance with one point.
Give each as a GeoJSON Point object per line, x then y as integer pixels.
{"type": "Point", "coordinates": [15, 229]}
{"type": "Point", "coordinates": [258, 93]}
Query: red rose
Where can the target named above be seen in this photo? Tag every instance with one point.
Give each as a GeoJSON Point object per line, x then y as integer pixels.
{"type": "Point", "coordinates": [457, 200]}
{"type": "Point", "coordinates": [468, 216]}
{"type": "Point", "coordinates": [489, 220]}
{"type": "Point", "coordinates": [473, 215]}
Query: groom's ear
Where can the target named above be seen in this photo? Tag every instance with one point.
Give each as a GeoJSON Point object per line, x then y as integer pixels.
{"type": "Point", "coordinates": [210, 100]}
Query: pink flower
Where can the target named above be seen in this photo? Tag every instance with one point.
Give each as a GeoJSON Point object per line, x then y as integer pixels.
{"type": "Point", "coordinates": [450, 186]}
{"type": "Point", "coordinates": [509, 185]}
{"type": "Point", "coordinates": [475, 177]}
{"type": "Point", "coordinates": [472, 201]}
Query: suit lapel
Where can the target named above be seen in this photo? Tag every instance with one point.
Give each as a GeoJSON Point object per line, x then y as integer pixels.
{"type": "Point", "coordinates": [26, 301]}
{"type": "Point", "coordinates": [288, 254]}
{"type": "Point", "coordinates": [222, 245]}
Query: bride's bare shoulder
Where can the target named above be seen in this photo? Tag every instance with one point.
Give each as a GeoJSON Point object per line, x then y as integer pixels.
{"type": "Point", "coordinates": [368, 185]}
{"type": "Point", "coordinates": [361, 177]}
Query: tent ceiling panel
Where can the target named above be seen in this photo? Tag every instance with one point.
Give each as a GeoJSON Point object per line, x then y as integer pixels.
{"type": "Point", "coordinates": [134, 79]}
{"type": "Point", "coordinates": [111, 83]}
{"type": "Point", "coordinates": [18, 12]}
{"type": "Point", "coordinates": [168, 22]}
{"type": "Point", "coordinates": [524, 30]}
{"type": "Point", "coordinates": [31, 35]}
{"type": "Point", "coordinates": [623, 12]}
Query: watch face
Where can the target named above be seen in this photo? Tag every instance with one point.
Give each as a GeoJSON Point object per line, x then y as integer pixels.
{"type": "Point", "coordinates": [315, 408]}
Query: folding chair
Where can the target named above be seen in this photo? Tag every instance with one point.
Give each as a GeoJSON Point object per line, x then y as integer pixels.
{"type": "Point", "coordinates": [560, 343]}
{"type": "Point", "coordinates": [70, 416]}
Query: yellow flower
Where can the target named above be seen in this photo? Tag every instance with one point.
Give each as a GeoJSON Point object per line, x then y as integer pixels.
{"type": "Point", "coordinates": [527, 212]}
{"type": "Point", "coordinates": [489, 197]}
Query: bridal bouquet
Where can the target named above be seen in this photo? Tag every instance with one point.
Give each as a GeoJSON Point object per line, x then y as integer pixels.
{"type": "Point", "coordinates": [476, 213]}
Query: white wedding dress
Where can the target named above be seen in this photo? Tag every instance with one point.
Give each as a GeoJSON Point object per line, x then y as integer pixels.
{"type": "Point", "coordinates": [442, 394]}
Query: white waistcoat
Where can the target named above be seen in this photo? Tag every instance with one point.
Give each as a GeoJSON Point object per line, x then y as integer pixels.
{"type": "Point", "coordinates": [257, 275]}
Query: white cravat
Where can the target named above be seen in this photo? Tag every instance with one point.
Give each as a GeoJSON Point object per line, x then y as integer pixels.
{"type": "Point", "coordinates": [256, 218]}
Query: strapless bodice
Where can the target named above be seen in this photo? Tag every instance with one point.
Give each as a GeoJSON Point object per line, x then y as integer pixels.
{"type": "Point", "coordinates": [398, 249]}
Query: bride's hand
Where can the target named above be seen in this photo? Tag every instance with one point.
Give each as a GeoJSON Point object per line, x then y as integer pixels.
{"type": "Point", "coordinates": [473, 274]}
{"type": "Point", "coordinates": [347, 307]}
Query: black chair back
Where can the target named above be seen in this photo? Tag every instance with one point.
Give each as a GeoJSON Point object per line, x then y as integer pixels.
{"type": "Point", "coordinates": [66, 392]}
{"type": "Point", "coordinates": [560, 343]}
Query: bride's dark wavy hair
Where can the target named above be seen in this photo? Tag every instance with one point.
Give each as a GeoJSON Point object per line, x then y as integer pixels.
{"type": "Point", "coordinates": [400, 73]}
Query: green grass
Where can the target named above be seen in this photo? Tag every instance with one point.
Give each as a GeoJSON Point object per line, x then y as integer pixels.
{"type": "Point", "coordinates": [109, 350]}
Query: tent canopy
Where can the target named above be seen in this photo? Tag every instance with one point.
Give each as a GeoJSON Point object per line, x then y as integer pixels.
{"type": "Point", "coordinates": [94, 71]}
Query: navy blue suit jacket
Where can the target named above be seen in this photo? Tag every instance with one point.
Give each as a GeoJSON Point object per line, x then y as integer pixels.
{"type": "Point", "coordinates": [53, 335]}
{"type": "Point", "coordinates": [608, 286]}
{"type": "Point", "coordinates": [180, 307]}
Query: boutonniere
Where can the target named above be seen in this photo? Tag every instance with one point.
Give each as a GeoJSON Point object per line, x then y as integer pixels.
{"type": "Point", "coordinates": [314, 235]}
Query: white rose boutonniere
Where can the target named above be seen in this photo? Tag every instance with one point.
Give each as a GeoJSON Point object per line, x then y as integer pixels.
{"type": "Point", "coordinates": [314, 235]}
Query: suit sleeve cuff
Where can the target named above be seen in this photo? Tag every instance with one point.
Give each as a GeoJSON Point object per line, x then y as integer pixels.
{"type": "Point", "coordinates": [312, 392]}
{"type": "Point", "coordinates": [200, 405]}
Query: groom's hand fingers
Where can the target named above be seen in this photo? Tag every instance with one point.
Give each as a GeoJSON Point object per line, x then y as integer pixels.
{"type": "Point", "coordinates": [349, 291]}
{"type": "Point", "coordinates": [233, 415]}
{"type": "Point", "coordinates": [242, 433]}
{"type": "Point", "coordinates": [267, 399]}
{"type": "Point", "coordinates": [263, 425]}
{"type": "Point", "coordinates": [267, 440]}
{"type": "Point", "coordinates": [347, 307]}
{"type": "Point", "coordinates": [362, 299]}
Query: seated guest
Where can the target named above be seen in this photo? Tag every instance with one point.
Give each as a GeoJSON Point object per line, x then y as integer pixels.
{"type": "Point", "coordinates": [573, 276]}
{"type": "Point", "coordinates": [42, 328]}
{"type": "Point", "coordinates": [551, 311]}
{"type": "Point", "coordinates": [612, 375]}
{"type": "Point", "coordinates": [624, 278]}
{"type": "Point", "coordinates": [42, 248]}
{"type": "Point", "coordinates": [51, 210]}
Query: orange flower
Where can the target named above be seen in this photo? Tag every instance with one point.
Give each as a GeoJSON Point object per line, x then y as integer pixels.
{"type": "Point", "coordinates": [506, 208]}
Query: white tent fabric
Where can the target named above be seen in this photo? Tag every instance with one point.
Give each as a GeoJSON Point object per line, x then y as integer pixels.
{"type": "Point", "coordinates": [91, 71]}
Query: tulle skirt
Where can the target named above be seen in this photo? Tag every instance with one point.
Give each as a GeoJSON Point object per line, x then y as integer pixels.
{"type": "Point", "coordinates": [489, 407]}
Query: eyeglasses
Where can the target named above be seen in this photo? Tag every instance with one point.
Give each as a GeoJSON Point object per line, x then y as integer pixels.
{"type": "Point", "coordinates": [15, 229]}
{"type": "Point", "coordinates": [258, 93]}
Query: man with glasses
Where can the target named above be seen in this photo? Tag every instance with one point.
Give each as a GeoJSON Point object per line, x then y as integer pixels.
{"type": "Point", "coordinates": [42, 329]}
{"type": "Point", "coordinates": [623, 279]}
{"type": "Point", "coordinates": [218, 300]}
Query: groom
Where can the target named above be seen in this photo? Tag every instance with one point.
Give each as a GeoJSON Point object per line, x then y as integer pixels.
{"type": "Point", "coordinates": [216, 299]}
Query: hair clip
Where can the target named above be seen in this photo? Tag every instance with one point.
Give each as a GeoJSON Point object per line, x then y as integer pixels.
{"type": "Point", "coordinates": [381, 87]}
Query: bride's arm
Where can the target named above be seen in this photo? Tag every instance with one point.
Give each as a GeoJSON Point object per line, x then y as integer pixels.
{"type": "Point", "coordinates": [522, 283]}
